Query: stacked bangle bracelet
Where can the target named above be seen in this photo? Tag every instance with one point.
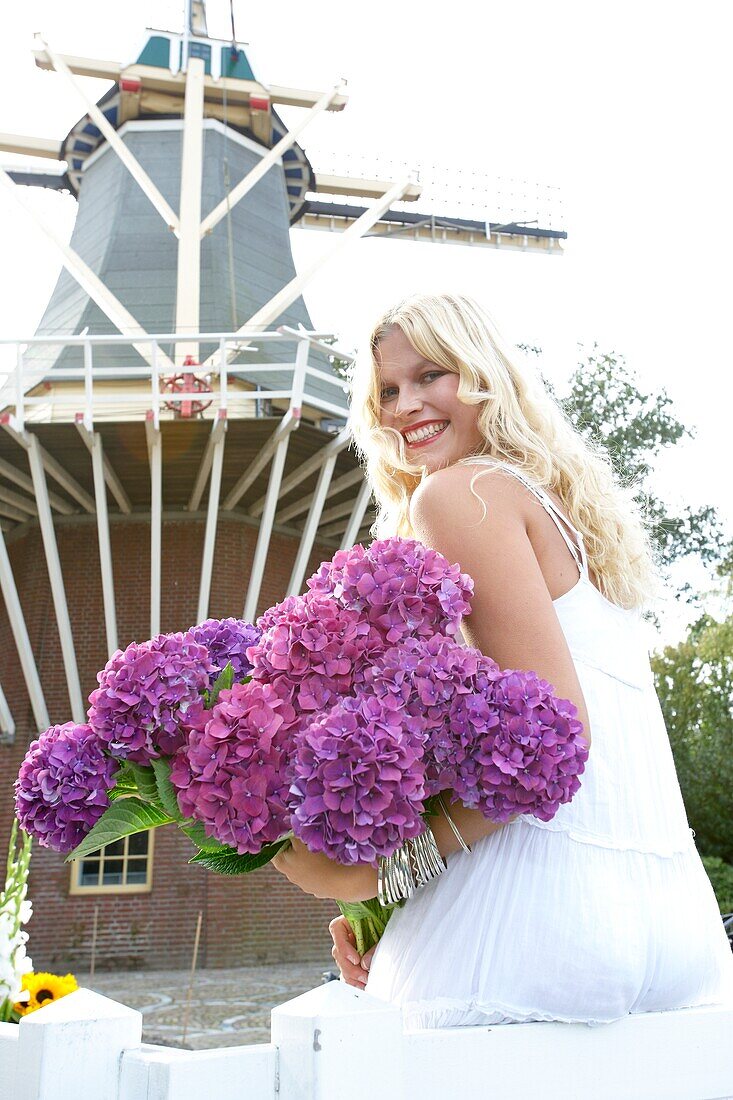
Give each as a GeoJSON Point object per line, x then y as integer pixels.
{"type": "Point", "coordinates": [413, 865]}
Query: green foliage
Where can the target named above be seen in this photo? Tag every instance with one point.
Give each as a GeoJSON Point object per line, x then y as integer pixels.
{"type": "Point", "coordinates": [721, 877]}
{"type": "Point", "coordinates": [606, 405]}
{"type": "Point", "coordinates": [228, 861]}
{"type": "Point", "coordinates": [124, 817]}
{"type": "Point", "coordinates": [694, 681]}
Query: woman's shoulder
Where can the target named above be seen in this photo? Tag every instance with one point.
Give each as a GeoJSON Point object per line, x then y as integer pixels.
{"type": "Point", "coordinates": [452, 495]}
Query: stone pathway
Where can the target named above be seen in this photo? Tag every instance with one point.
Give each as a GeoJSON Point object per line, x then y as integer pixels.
{"type": "Point", "coordinates": [228, 1007]}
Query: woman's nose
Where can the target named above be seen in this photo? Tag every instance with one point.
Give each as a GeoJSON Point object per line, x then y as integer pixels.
{"type": "Point", "coordinates": [408, 403]}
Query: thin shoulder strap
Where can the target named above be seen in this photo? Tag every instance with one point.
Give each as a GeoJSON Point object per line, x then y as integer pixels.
{"type": "Point", "coordinates": [578, 551]}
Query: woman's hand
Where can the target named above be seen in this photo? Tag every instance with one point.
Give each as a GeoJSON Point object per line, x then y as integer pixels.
{"type": "Point", "coordinates": [322, 877]}
{"type": "Point", "coordinates": [354, 970]}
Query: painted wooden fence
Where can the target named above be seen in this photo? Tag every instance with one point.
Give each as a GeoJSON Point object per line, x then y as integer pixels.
{"type": "Point", "coordinates": [335, 1043]}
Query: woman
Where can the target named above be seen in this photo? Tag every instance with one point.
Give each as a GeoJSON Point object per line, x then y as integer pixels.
{"type": "Point", "coordinates": [606, 909]}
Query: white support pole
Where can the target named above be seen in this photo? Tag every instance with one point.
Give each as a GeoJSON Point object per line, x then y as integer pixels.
{"type": "Point", "coordinates": [272, 157]}
{"type": "Point", "coordinates": [212, 514]}
{"type": "Point", "coordinates": [12, 473]}
{"type": "Point", "coordinates": [288, 424]}
{"type": "Point", "coordinates": [9, 512]}
{"type": "Point", "coordinates": [188, 286]}
{"type": "Point", "coordinates": [7, 722]}
{"type": "Point", "coordinates": [344, 482]}
{"type": "Point", "coordinates": [311, 526]}
{"type": "Point", "coordinates": [22, 641]}
{"type": "Point", "coordinates": [50, 465]}
{"type": "Point", "coordinates": [105, 549]}
{"type": "Point", "coordinates": [357, 515]}
{"type": "Point", "coordinates": [217, 433]}
{"type": "Point", "coordinates": [130, 162]}
{"type": "Point", "coordinates": [55, 576]}
{"type": "Point", "coordinates": [85, 277]}
{"type": "Point", "coordinates": [263, 538]}
{"type": "Point", "coordinates": [269, 313]}
{"type": "Point", "coordinates": [335, 447]}
{"type": "Point", "coordinates": [111, 479]}
{"type": "Point", "coordinates": [155, 455]}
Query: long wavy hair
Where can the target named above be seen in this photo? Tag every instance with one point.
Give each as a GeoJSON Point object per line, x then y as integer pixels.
{"type": "Point", "coordinates": [521, 424]}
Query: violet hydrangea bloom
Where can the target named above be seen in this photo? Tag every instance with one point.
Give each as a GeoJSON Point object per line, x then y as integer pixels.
{"type": "Point", "coordinates": [233, 774]}
{"type": "Point", "coordinates": [227, 641]}
{"type": "Point", "coordinates": [148, 695]}
{"type": "Point", "coordinates": [358, 787]}
{"type": "Point", "coordinates": [62, 786]}
{"type": "Point", "coordinates": [313, 651]}
{"type": "Point", "coordinates": [500, 740]}
{"type": "Point", "coordinates": [404, 588]}
{"type": "Point", "coordinates": [527, 751]}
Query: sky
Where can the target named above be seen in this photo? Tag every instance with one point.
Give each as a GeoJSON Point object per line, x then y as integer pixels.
{"type": "Point", "coordinates": [623, 107]}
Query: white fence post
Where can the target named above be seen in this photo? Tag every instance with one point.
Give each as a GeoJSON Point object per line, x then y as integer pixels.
{"type": "Point", "coordinates": [337, 1041]}
{"type": "Point", "coordinates": [72, 1048]}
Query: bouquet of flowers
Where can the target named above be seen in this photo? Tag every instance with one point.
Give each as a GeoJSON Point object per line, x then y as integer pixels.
{"type": "Point", "coordinates": [15, 911]}
{"type": "Point", "coordinates": [337, 718]}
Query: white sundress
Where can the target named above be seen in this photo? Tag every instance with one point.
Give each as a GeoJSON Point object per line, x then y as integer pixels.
{"type": "Point", "coordinates": [603, 911]}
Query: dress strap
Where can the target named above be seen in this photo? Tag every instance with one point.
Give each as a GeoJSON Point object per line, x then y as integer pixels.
{"type": "Point", "coordinates": [576, 549]}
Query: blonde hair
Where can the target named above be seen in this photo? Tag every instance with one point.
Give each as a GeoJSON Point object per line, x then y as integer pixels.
{"type": "Point", "coordinates": [521, 424]}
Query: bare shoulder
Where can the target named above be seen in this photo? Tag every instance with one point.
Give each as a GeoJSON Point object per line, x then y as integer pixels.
{"type": "Point", "coordinates": [450, 500]}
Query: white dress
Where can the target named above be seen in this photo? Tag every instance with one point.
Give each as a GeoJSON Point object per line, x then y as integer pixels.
{"type": "Point", "coordinates": [603, 911]}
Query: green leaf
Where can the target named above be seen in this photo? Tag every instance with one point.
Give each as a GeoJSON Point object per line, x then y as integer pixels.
{"type": "Point", "coordinates": [124, 783]}
{"type": "Point", "coordinates": [166, 790]}
{"type": "Point", "coordinates": [229, 862]}
{"type": "Point", "coordinates": [224, 680]}
{"type": "Point", "coordinates": [196, 832]}
{"type": "Point", "coordinates": [124, 817]}
{"type": "Point", "coordinates": [145, 782]}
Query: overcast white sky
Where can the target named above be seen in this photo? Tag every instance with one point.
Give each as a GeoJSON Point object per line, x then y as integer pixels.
{"type": "Point", "coordinates": [624, 106]}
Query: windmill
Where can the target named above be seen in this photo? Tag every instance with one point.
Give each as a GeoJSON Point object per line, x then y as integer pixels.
{"type": "Point", "coordinates": [176, 354]}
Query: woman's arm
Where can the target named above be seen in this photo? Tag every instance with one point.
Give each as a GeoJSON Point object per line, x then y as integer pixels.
{"type": "Point", "coordinates": [513, 619]}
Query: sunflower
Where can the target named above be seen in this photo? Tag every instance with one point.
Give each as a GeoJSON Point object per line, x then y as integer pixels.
{"type": "Point", "coordinates": [43, 989]}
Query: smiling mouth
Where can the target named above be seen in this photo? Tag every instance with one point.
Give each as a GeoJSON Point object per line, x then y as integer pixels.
{"type": "Point", "coordinates": [423, 436]}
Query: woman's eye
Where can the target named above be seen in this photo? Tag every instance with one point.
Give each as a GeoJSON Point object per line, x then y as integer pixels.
{"type": "Point", "coordinates": [389, 391]}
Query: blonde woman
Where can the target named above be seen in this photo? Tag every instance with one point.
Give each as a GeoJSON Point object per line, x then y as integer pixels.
{"type": "Point", "coordinates": [606, 909]}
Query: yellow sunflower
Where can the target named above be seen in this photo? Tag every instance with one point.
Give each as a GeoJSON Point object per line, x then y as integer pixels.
{"type": "Point", "coordinates": [43, 989]}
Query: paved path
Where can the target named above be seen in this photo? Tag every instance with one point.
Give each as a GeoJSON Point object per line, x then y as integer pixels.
{"type": "Point", "coordinates": [228, 1007]}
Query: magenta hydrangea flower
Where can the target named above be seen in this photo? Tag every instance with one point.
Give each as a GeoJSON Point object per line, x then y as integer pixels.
{"type": "Point", "coordinates": [500, 740]}
{"type": "Point", "coordinates": [62, 786]}
{"type": "Point", "coordinates": [402, 587]}
{"type": "Point", "coordinates": [313, 651]}
{"type": "Point", "coordinates": [233, 775]}
{"type": "Point", "coordinates": [524, 753]}
{"type": "Point", "coordinates": [227, 641]}
{"type": "Point", "coordinates": [149, 695]}
{"type": "Point", "coordinates": [358, 788]}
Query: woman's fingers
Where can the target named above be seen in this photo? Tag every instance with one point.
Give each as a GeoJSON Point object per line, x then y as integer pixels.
{"type": "Point", "coordinates": [366, 961]}
{"type": "Point", "coordinates": [344, 952]}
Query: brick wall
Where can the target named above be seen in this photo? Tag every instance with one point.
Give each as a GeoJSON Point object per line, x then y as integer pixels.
{"type": "Point", "coordinates": [253, 919]}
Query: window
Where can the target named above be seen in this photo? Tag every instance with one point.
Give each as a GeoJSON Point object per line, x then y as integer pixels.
{"type": "Point", "coordinates": [125, 867]}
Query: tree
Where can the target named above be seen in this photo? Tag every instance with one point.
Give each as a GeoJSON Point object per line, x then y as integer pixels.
{"type": "Point", "coordinates": [606, 405]}
{"type": "Point", "coordinates": [694, 681]}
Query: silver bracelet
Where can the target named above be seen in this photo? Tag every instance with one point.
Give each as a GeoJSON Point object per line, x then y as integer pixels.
{"type": "Point", "coordinates": [417, 862]}
{"type": "Point", "coordinates": [454, 827]}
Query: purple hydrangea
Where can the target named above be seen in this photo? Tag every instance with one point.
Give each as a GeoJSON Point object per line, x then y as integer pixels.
{"type": "Point", "coordinates": [358, 786]}
{"type": "Point", "coordinates": [401, 586]}
{"type": "Point", "coordinates": [62, 786]}
{"type": "Point", "coordinates": [227, 641]}
{"type": "Point", "coordinates": [149, 695]}
{"type": "Point", "coordinates": [233, 775]}
{"type": "Point", "coordinates": [524, 753]}
{"type": "Point", "coordinates": [500, 740]}
{"type": "Point", "coordinates": [314, 651]}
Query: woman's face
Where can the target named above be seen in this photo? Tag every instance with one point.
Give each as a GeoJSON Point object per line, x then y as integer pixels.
{"type": "Point", "coordinates": [419, 400]}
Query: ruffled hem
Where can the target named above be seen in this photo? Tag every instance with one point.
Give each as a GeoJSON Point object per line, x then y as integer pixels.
{"type": "Point", "coordinates": [581, 836]}
{"type": "Point", "coordinates": [422, 1015]}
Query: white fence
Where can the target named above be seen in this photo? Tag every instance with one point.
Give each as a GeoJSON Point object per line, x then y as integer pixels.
{"type": "Point", "coordinates": [335, 1043]}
